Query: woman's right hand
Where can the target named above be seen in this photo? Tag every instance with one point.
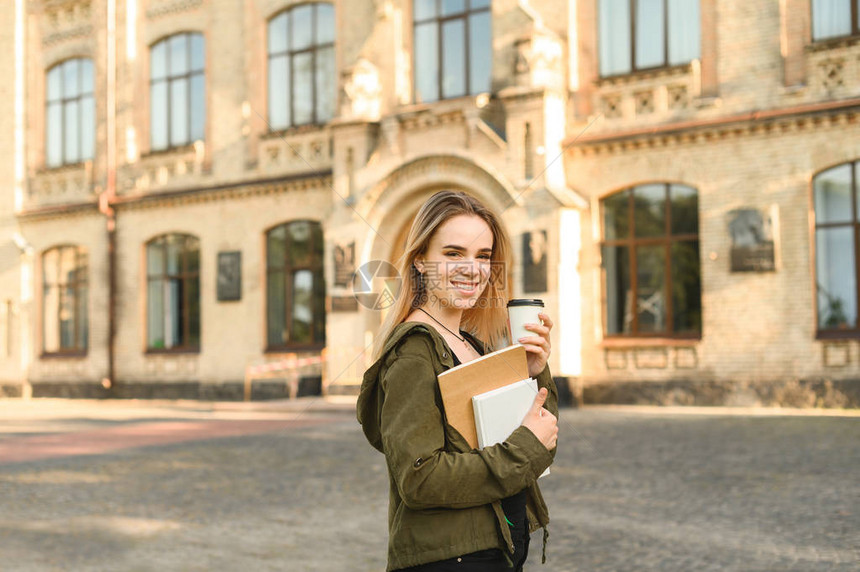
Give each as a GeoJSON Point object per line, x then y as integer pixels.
{"type": "Point", "coordinates": [541, 422]}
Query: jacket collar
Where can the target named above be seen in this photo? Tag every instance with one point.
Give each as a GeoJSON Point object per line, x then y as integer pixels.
{"type": "Point", "coordinates": [439, 344]}
{"type": "Point", "coordinates": [443, 350]}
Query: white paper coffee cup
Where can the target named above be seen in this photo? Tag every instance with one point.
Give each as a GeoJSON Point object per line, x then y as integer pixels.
{"type": "Point", "coordinates": [522, 311]}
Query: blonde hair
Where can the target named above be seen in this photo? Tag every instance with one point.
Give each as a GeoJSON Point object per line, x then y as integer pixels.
{"type": "Point", "coordinates": [488, 318]}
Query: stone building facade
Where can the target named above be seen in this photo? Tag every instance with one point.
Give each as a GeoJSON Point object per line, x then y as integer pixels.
{"type": "Point", "coordinates": [763, 126]}
{"type": "Point", "coordinates": [201, 178]}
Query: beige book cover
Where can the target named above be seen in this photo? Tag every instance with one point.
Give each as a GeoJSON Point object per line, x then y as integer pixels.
{"type": "Point", "coordinates": [459, 384]}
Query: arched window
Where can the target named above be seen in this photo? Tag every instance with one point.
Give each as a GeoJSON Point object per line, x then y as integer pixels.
{"type": "Point", "coordinates": [835, 18]}
{"type": "Point", "coordinates": [70, 121]}
{"type": "Point", "coordinates": [650, 249]}
{"type": "Point", "coordinates": [295, 288]}
{"type": "Point", "coordinates": [173, 293]}
{"type": "Point", "coordinates": [837, 231]}
{"type": "Point", "coordinates": [64, 300]}
{"type": "Point", "coordinates": [646, 34]}
{"type": "Point", "coordinates": [177, 91]}
{"type": "Point", "coordinates": [452, 48]}
{"type": "Point", "coordinates": [301, 66]}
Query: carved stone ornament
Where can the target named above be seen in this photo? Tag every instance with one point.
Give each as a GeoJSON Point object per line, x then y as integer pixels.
{"type": "Point", "coordinates": [538, 60]}
{"type": "Point", "coordinates": [66, 20]}
{"type": "Point", "coordinates": [159, 8]}
{"type": "Point", "coordinates": [362, 89]}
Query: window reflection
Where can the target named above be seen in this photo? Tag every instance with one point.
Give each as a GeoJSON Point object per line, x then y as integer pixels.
{"type": "Point", "coordinates": [650, 253]}
{"type": "Point", "coordinates": [173, 293]}
{"type": "Point", "coordinates": [463, 29]}
{"type": "Point", "coordinates": [832, 19]}
{"type": "Point", "coordinates": [645, 34]}
{"type": "Point", "coordinates": [64, 300]}
{"type": "Point", "coordinates": [70, 113]}
{"type": "Point", "coordinates": [177, 91]}
{"type": "Point", "coordinates": [301, 87]}
{"type": "Point", "coordinates": [836, 193]}
{"type": "Point", "coordinates": [295, 288]}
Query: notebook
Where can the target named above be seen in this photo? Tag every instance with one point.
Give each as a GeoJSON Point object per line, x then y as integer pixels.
{"type": "Point", "coordinates": [490, 371]}
{"type": "Point", "coordinates": [500, 411]}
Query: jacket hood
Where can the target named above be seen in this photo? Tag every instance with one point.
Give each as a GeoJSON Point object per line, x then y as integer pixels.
{"type": "Point", "coordinates": [369, 404]}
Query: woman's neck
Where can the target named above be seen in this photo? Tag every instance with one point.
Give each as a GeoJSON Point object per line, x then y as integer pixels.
{"type": "Point", "coordinates": [449, 316]}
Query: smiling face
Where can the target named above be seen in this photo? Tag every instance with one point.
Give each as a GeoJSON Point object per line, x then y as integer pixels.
{"type": "Point", "coordinates": [457, 266]}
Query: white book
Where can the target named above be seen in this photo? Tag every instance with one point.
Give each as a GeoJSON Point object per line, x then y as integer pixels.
{"type": "Point", "coordinates": [500, 411]}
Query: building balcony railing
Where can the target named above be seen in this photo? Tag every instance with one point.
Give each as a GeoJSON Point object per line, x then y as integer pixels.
{"type": "Point", "coordinates": [297, 150]}
{"type": "Point", "coordinates": [648, 97]}
{"type": "Point", "coordinates": [833, 68]}
{"type": "Point", "coordinates": [179, 167]}
{"type": "Point", "coordinates": [69, 184]}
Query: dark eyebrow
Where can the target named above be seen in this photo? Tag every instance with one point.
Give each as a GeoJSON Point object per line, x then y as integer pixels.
{"type": "Point", "coordinates": [455, 247]}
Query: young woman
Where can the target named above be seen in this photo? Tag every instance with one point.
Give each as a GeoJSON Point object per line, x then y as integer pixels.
{"type": "Point", "coordinates": [452, 507]}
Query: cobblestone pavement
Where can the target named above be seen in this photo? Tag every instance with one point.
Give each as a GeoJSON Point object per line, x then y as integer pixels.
{"type": "Point", "coordinates": [293, 489]}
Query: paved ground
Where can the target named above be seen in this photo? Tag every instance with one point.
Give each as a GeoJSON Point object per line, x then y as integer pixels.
{"type": "Point", "coordinates": [293, 486]}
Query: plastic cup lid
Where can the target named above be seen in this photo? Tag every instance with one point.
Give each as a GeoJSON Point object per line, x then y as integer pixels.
{"type": "Point", "coordinates": [525, 302]}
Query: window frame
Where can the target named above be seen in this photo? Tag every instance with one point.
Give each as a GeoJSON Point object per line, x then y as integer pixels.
{"type": "Point", "coordinates": [79, 347]}
{"type": "Point", "coordinates": [440, 21]}
{"type": "Point", "coordinates": [838, 333]}
{"type": "Point", "coordinates": [314, 48]}
{"type": "Point", "coordinates": [316, 265]}
{"type": "Point", "coordinates": [631, 242]}
{"type": "Point", "coordinates": [168, 79]}
{"type": "Point", "coordinates": [855, 24]}
{"type": "Point", "coordinates": [184, 275]}
{"type": "Point", "coordinates": [64, 102]}
{"type": "Point", "coordinates": [634, 69]}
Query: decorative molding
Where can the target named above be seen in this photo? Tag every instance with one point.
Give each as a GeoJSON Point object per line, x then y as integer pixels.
{"type": "Point", "coordinates": [659, 94]}
{"type": "Point", "coordinates": [797, 119]}
{"type": "Point", "coordinates": [295, 151]}
{"type": "Point", "coordinates": [361, 92]}
{"type": "Point", "coordinates": [644, 100]}
{"type": "Point", "coordinates": [538, 60]}
{"type": "Point", "coordinates": [434, 170]}
{"type": "Point", "coordinates": [305, 182]}
{"type": "Point", "coordinates": [55, 212]}
{"type": "Point", "coordinates": [68, 184]}
{"type": "Point", "coordinates": [834, 72]}
{"type": "Point", "coordinates": [70, 34]}
{"type": "Point", "coordinates": [658, 74]}
{"type": "Point", "coordinates": [611, 105]}
{"type": "Point", "coordinates": [169, 7]}
{"type": "Point", "coordinates": [678, 96]}
{"type": "Point", "coordinates": [164, 170]}
{"type": "Point", "coordinates": [428, 118]}
{"type": "Point", "coordinates": [66, 20]}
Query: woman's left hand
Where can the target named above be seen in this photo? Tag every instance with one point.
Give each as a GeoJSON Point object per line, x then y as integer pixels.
{"type": "Point", "coordinates": [537, 346]}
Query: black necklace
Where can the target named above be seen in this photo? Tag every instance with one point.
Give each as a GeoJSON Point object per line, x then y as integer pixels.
{"type": "Point", "coordinates": [443, 325]}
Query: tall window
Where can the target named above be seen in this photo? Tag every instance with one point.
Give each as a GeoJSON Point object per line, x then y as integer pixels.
{"type": "Point", "coordinates": [837, 231]}
{"type": "Point", "coordinates": [70, 122]}
{"type": "Point", "coordinates": [177, 91]}
{"type": "Point", "coordinates": [652, 281]}
{"type": "Point", "coordinates": [644, 34]}
{"type": "Point", "coordinates": [295, 288]}
{"type": "Point", "coordinates": [301, 66]}
{"type": "Point", "coordinates": [173, 293]}
{"type": "Point", "coordinates": [452, 48]}
{"type": "Point", "coordinates": [835, 18]}
{"type": "Point", "coordinates": [64, 300]}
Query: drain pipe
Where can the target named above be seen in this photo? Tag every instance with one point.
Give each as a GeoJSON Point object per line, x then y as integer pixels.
{"type": "Point", "coordinates": [106, 198]}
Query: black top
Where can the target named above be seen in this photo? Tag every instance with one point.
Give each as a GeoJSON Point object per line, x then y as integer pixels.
{"type": "Point", "coordinates": [514, 506]}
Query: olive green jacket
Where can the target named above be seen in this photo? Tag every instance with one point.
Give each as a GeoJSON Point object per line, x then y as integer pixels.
{"type": "Point", "coordinates": [444, 497]}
